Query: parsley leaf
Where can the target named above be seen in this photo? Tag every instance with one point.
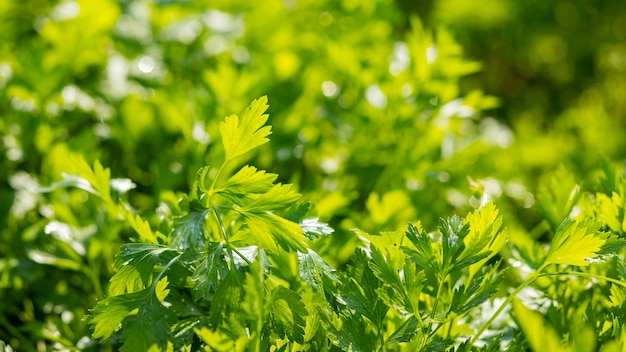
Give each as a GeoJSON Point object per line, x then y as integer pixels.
{"type": "Point", "coordinates": [242, 134]}
{"type": "Point", "coordinates": [575, 243]}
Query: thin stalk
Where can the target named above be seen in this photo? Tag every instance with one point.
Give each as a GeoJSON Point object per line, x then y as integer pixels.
{"type": "Point", "coordinates": [506, 302]}
{"type": "Point", "coordinates": [219, 172]}
{"type": "Point", "coordinates": [229, 249]}
{"type": "Point", "coordinates": [434, 311]}
{"type": "Point", "coordinates": [589, 275]}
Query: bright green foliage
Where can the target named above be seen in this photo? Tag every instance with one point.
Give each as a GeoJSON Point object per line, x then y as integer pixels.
{"type": "Point", "coordinates": [408, 207]}
{"type": "Point", "coordinates": [238, 272]}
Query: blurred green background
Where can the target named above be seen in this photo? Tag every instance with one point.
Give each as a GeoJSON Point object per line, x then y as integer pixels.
{"type": "Point", "coordinates": [383, 112]}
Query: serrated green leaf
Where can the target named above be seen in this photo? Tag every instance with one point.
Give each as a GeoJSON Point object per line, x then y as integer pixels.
{"type": "Point", "coordinates": [210, 272]}
{"type": "Point", "coordinates": [608, 210]}
{"type": "Point", "coordinates": [247, 180]}
{"type": "Point", "coordinates": [575, 244]}
{"type": "Point", "coordinates": [612, 246]}
{"type": "Point", "coordinates": [188, 231]}
{"type": "Point", "coordinates": [618, 296]}
{"type": "Point", "coordinates": [423, 254]}
{"type": "Point", "coordinates": [278, 197]}
{"type": "Point", "coordinates": [152, 324]}
{"type": "Point", "coordinates": [359, 291]}
{"type": "Point", "coordinates": [353, 334]}
{"type": "Point", "coordinates": [242, 134]}
{"type": "Point", "coordinates": [106, 317]}
{"type": "Point", "coordinates": [485, 238]}
{"type": "Point", "coordinates": [479, 290]}
{"type": "Point", "coordinates": [135, 264]}
{"type": "Point", "coordinates": [270, 231]}
{"type": "Point", "coordinates": [453, 232]}
{"type": "Point", "coordinates": [98, 177]}
{"type": "Point", "coordinates": [297, 211]}
{"type": "Point", "coordinates": [288, 314]}
{"type": "Point", "coordinates": [405, 290]}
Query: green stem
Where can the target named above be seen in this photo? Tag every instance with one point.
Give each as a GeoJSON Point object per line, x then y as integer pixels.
{"type": "Point", "coordinates": [506, 302]}
{"type": "Point", "coordinates": [594, 276]}
{"type": "Point", "coordinates": [433, 312]}
{"type": "Point", "coordinates": [242, 256]}
{"type": "Point", "coordinates": [219, 172]}
{"type": "Point", "coordinates": [229, 248]}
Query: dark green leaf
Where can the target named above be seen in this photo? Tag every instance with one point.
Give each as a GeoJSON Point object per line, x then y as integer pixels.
{"type": "Point", "coordinates": [212, 269]}
{"type": "Point", "coordinates": [188, 229]}
{"type": "Point", "coordinates": [288, 314]}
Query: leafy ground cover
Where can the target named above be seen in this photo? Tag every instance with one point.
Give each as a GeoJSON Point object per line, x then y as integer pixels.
{"type": "Point", "coordinates": [309, 175]}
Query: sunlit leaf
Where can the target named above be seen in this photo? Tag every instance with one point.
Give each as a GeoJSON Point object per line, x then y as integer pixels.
{"type": "Point", "coordinates": [242, 134]}
{"type": "Point", "coordinates": [574, 243]}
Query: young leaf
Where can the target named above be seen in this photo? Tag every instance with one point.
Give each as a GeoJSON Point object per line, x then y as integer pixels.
{"type": "Point", "coordinates": [485, 238]}
{"type": "Point", "coordinates": [141, 226]}
{"type": "Point", "coordinates": [242, 134]}
{"type": "Point", "coordinates": [575, 244]}
{"type": "Point", "coordinates": [453, 233]}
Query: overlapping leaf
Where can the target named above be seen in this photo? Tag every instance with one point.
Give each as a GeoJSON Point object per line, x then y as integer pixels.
{"type": "Point", "coordinates": [188, 229]}
{"type": "Point", "coordinates": [405, 291]}
{"type": "Point", "coordinates": [135, 266]}
{"type": "Point", "coordinates": [212, 269]}
{"type": "Point", "coordinates": [315, 271]}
